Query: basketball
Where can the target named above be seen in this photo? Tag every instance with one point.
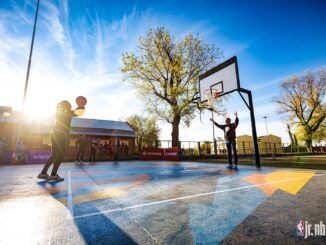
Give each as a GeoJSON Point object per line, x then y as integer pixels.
{"type": "Point", "coordinates": [81, 101]}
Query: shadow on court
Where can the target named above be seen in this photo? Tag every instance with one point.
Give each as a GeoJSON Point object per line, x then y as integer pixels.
{"type": "Point", "coordinates": [102, 231]}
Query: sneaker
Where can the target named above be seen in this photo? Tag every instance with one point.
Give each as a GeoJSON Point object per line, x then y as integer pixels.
{"type": "Point", "coordinates": [76, 163]}
{"type": "Point", "coordinates": [55, 178]}
{"type": "Point", "coordinates": [229, 167]}
{"type": "Point", "coordinates": [235, 167]}
{"type": "Point", "coordinates": [43, 176]}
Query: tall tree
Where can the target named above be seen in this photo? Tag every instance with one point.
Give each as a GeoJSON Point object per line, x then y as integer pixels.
{"type": "Point", "coordinates": [320, 134]}
{"type": "Point", "coordinates": [165, 73]}
{"type": "Point", "coordinates": [302, 98]}
{"type": "Point", "coordinates": [317, 137]}
{"type": "Point", "coordinates": [146, 129]}
{"type": "Point", "coordinates": [290, 134]}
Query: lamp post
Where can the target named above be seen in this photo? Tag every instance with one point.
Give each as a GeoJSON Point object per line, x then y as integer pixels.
{"type": "Point", "coordinates": [269, 143]}
{"type": "Point", "coordinates": [214, 139]}
{"type": "Point", "coordinates": [265, 117]}
{"type": "Point", "coordinates": [27, 76]}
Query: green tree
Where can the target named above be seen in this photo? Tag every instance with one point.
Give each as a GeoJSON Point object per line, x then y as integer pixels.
{"type": "Point", "coordinates": [146, 129]}
{"type": "Point", "coordinates": [302, 99]}
{"type": "Point", "coordinates": [206, 147]}
{"type": "Point", "coordinates": [320, 134]}
{"type": "Point", "coordinates": [165, 73]}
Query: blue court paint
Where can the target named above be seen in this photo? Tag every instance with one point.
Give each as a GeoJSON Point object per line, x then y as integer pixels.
{"type": "Point", "coordinates": [211, 224]}
{"type": "Point", "coordinates": [95, 231]}
{"type": "Point", "coordinates": [220, 218]}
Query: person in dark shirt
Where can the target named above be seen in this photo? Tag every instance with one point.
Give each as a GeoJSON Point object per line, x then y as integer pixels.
{"type": "Point", "coordinates": [106, 149]}
{"type": "Point", "coordinates": [117, 150]}
{"type": "Point", "coordinates": [230, 136]}
{"type": "Point", "coordinates": [2, 150]}
{"type": "Point", "coordinates": [64, 114]}
{"type": "Point", "coordinates": [92, 153]}
{"type": "Point", "coordinates": [81, 144]}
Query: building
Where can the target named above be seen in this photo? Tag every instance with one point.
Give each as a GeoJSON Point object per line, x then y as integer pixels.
{"type": "Point", "coordinates": [111, 136]}
{"type": "Point", "coordinates": [268, 144]}
{"type": "Point", "coordinates": [245, 145]}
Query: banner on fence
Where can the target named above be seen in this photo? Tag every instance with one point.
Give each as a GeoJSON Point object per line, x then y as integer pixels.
{"type": "Point", "coordinates": [171, 154]}
{"type": "Point", "coordinates": [38, 157]}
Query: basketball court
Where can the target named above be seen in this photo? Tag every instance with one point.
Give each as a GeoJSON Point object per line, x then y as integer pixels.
{"type": "Point", "coordinates": [159, 202]}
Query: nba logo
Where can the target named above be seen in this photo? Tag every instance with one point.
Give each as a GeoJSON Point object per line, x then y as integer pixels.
{"type": "Point", "coordinates": [300, 228]}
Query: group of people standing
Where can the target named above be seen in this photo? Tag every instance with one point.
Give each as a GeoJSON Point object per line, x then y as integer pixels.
{"type": "Point", "coordinates": [3, 149]}
{"type": "Point", "coordinates": [82, 144]}
{"type": "Point", "coordinates": [6, 153]}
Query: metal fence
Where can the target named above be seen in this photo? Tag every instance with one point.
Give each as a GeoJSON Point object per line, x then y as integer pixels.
{"type": "Point", "coordinates": [244, 148]}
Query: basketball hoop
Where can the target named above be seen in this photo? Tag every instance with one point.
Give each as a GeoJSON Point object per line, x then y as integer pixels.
{"type": "Point", "coordinates": [211, 95]}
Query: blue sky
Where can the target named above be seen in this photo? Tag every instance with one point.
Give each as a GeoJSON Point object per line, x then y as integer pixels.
{"type": "Point", "coordinates": [78, 50]}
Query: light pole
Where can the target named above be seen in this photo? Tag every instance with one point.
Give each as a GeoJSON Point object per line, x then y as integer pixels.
{"type": "Point", "coordinates": [214, 140]}
{"type": "Point", "coordinates": [265, 117]}
{"type": "Point", "coordinates": [27, 76]}
{"type": "Point", "coordinates": [269, 143]}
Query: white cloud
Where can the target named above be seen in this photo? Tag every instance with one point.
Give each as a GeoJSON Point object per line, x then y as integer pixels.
{"type": "Point", "coordinates": [57, 25]}
{"type": "Point", "coordinates": [21, 13]}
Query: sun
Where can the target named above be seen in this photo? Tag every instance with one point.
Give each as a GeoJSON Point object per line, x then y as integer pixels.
{"type": "Point", "coordinates": [39, 109]}
{"type": "Point", "coordinates": [41, 100]}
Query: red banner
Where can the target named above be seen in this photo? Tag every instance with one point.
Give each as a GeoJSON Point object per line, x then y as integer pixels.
{"type": "Point", "coordinates": [152, 154]}
{"type": "Point", "coordinates": [171, 154]}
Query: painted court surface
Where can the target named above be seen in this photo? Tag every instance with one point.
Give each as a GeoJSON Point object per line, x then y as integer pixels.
{"type": "Point", "coordinates": [139, 202]}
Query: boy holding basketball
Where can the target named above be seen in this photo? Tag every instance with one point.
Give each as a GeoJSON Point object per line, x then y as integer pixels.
{"type": "Point", "coordinates": [64, 114]}
{"type": "Point", "coordinates": [230, 135]}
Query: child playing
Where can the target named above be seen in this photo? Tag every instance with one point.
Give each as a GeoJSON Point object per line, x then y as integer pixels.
{"type": "Point", "coordinates": [64, 114]}
{"type": "Point", "coordinates": [230, 135]}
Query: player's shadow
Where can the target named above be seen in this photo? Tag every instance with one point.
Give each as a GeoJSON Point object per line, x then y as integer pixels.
{"type": "Point", "coordinates": [99, 229]}
{"type": "Point", "coordinates": [95, 229]}
{"type": "Point", "coordinates": [45, 184]}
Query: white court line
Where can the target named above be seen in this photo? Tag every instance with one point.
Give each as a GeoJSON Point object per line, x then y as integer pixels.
{"type": "Point", "coordinates": [188, 197]}
{"type": "Point", "coordinates": [70, 211]}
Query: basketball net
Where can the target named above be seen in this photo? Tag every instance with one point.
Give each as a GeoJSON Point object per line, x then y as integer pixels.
{"type": "Point", "coordinates": [212, 96]}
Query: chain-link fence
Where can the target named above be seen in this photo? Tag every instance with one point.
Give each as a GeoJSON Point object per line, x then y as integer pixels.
{"type": "Point", "coordinates": [244, 148]}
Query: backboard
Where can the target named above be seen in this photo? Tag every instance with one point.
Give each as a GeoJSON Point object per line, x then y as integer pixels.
{"type": "Point", "coordinates": [223, 79]}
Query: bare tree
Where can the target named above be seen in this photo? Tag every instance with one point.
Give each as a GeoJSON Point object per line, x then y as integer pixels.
{"type": "Point", "coordinates": [302, 99]}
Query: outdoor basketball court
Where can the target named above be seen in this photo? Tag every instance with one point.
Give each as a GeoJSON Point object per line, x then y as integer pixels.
{"type": "Point", "coordinates": [152, 202]}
